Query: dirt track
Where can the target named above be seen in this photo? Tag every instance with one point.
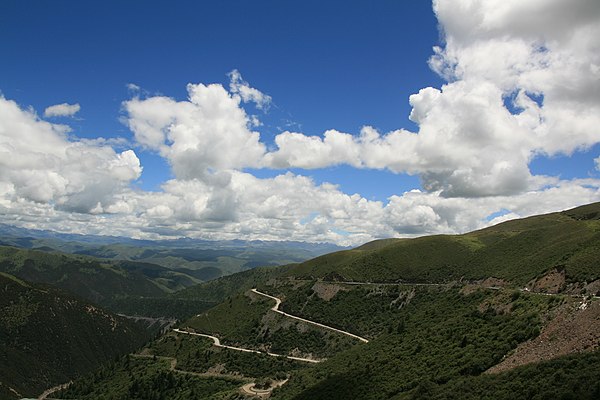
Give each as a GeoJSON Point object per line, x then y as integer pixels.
{"type": "Point", "coordinates": [217, 343]}
{"type": "Point", "coordinates": [277, 310]}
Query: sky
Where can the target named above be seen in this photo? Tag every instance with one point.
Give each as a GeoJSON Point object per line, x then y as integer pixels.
{"type": "Point", "coordinates": [340, 122]}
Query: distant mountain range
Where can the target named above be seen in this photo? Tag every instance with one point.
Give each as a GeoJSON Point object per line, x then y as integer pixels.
{"type": "Point", "coordinates": [8, 232]}
{"type": "Point", "coordinates": [200, 260]}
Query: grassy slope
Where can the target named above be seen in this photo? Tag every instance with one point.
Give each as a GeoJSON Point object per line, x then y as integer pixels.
{"type": "Point", "coordinates": [440, 335]}
{"type": "Point", "coordinates": [48, 336]}
{"type": "Point", "coordinates": [83, 276]}
{"type": "Point", "coordinates": [438, 339]}
{"type": "Point", "coordinates": [517, 251]}
{"type": "Point", "coordinates": [141, 378]}
{"type": "Point", "coordinates": [570, 377]}
{"type": "Point", "coordinates": [245, 320]}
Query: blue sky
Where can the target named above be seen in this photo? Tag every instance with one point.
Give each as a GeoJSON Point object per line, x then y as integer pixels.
{"type": "Point", "coordinates": [491, 134]}
{"type": "Point", "coordinates": [324, 64]}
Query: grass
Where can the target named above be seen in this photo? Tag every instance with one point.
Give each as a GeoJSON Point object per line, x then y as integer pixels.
{"type": "Point", "coordinates": [236, 320]}
{"type": "Point", "coordinates": [517, 251]}
{"type": "Point", "coordinates": [439, 334]}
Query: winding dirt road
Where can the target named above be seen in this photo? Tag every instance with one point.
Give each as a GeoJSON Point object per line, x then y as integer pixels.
{"type": "Point", "coordinates": [217, 343]}
{"type": "Point", "coordinates": [277, 310]}
{"type": "Point", "coordinates": [250, 389]}
{"type": "Point", "coordinates": [54, 389]}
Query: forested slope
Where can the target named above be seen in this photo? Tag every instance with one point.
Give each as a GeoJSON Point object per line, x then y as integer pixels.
{"type": "Point", "coordinates": [48, 336]}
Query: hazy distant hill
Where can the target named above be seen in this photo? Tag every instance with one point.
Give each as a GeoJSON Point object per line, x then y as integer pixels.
{"type": "Point", "coordinates": [48, 337]}
{"type": "Point", "coordinates": [202, 259]}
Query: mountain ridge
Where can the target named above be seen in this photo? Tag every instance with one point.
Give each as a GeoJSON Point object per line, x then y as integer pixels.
{"type": "Point", "coordinates": [49, 336]}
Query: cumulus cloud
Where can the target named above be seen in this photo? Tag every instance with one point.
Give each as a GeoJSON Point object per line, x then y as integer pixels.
{"type": "Point", "coordinates": [38, 163]}
{"type": "Point", "coordinates": [62, 110]}
{"type": "Point", "coordinates": [514, 92]}
{"type": "Point", "coordinates": [209, 131]}
{"type": "Point", "coordinates": [291, 207]}
{"type": "Point", "coordinates": [48, 181]}
{"type": "Point", "coordinates": [523, 80]}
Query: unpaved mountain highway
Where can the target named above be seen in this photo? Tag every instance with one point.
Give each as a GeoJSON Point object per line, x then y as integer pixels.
{"type": "Point", "coordinates": [217, 343]}
{"type": "Point", "coordinates": [277, 310]}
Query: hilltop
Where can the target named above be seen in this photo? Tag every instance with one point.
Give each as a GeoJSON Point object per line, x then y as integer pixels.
{"type": "Point", "coordinates": [516, 251]}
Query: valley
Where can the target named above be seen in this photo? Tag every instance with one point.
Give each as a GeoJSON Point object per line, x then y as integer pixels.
{"type": "Point", "coordinates": [511, 311]}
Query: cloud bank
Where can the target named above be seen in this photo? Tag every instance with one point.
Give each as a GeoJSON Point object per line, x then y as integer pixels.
{"type": "Point", "coordinates": [523, 80]}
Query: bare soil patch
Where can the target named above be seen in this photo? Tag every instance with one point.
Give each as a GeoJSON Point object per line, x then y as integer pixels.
{"type": "Point", "coordinates": [575, 328]}
{"type": "Point", "coordinates": [553, 282]}
{"type": "Point", "coordinates": [327, 291]}
{"type": "Point", "coordinates": [483, 284]}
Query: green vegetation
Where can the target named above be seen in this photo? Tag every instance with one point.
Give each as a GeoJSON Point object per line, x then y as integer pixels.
{"type": "Point", "coordinates": [86, 277]}
{"type": "Point", "coordinates": [219, 289]}
{"type": "Point", "coordinates": [48, 337]}
{"type": "Point", "coordinates": [124, 287]}
{"type": "Point", "coordinates": [146, 378]}
{"type": "Point", "coordinates": [431, 335]}
{"type": "Point", "coordinates": [569, 377]}
{"type": "Point", "coordinates": [440, 334]}
{"type": "Point", "coordinates": [190, 261]}
{"type": "Point", "coordinates": [362, 310]}
{"type": "Point", "coordinates": [307, 340]}
{"type": "Point", "coordinates": [197, 354]}
{"type": "Point", "coordinates": [517, 251]}
{"type": "Point", "coordinates": [246, 320]}
{"type": "Point", "coordinates": [169, 306]}
{"type": "Point", "coordinates": [236, 320]}
{"type": "Point", "coordinates": [179, 366]}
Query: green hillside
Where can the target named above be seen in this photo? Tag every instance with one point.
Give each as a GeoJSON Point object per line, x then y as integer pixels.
{"type": "Point", "coordinates": [569, 377]}
{"type": "Point", "coordinates": [91, 278]}
{"type": "Point", "coordinates": [435, 329]}
{"type": "Point", "coordinates": [516, 251]}
{"type": "Point", "coordinates": [48, 337]}
{"type": "Point", "coordinates": [146, 378]}
{"type": "Point", "coordinates": [246, 320]}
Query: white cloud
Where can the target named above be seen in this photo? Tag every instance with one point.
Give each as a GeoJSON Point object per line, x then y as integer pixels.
{"type": "Point", "coordinates": [132, 87]}
{"type": "Point", "coordinates": [38, 163]}
{"type": "Point", "coordinates": [469, 143]}
{"type": "Point", "coordinates": [50, 182]}
{"type": "Point", "coordinates": [62, 110]}
{"type": "Point", "coordinates": [239, 87]}
{"type": "Point", "coordinates": [290, 207]}
{"type": "Point", "coordinates": [207, 132]}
